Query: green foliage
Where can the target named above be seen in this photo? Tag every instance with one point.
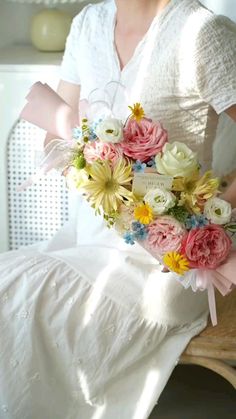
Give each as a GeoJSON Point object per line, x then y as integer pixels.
{"type": "Point", "coordinates": [231, 227]}
{"type": "Point", "coordinates": [79, 162]}
{"type": "Point", "coordinates": [179, 213]}
{"type": "Point", "coordinates": [110, 219]}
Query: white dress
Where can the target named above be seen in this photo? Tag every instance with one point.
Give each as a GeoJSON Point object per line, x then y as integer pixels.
{"type": "Point", "coordinates": [89, 327]}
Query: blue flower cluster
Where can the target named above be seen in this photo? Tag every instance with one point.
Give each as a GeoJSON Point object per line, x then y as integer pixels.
{"type": "Point", "coordinates": [138, 166]}
{"type": "Point", "coordinates": [196, 221]}
{"type": "Point", "coordinates": [129, 237]}
{"type": "Point", "coordinates": [89, 132]}
{"type": "Point", "coordinates": [92, 135]}
{"type": "Point", "coordinates": [139, 232]}
{"type": "Point", "coordinates": [77, 133]}
{"type": "Point", "coordinates": [93, 129]}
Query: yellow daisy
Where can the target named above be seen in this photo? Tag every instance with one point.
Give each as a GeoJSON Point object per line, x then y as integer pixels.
{"type": "Point", "coordinates": [109, 186]}
{"type": "Point", "coordinates": [137, 112]}
{"type": "Point", "coordinates": [143, 213]}
{"type": "Point", "coordinates": [176, 262]}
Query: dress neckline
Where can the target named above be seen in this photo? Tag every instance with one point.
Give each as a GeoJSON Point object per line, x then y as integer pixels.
{"type": "Point", "coordinates": [156, 20]}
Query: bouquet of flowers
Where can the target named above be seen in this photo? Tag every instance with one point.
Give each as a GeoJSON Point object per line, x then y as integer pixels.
{"type": "Point", "coordinates": [150, 190]}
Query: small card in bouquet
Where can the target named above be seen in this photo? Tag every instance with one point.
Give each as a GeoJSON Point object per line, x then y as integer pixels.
{"type": "Point", "coordinates": [144, 182]}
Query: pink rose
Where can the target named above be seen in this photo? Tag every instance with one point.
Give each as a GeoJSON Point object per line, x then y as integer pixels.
{"type": "Point", "coordinates": [206, 247]}
{"type": "Point", "coordinates": [165, 234]}
{"type": "Point", "coordinates": [103, 151]}
{"type": "Point", "coordinates": [143, 139]}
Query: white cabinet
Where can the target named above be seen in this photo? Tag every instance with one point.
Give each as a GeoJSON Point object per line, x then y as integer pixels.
{"type": "Point", "coordinates": [29, 216]}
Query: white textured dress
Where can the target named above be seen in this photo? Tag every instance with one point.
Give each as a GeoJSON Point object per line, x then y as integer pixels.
{"type": "Point", "coordinates": [89, 327]}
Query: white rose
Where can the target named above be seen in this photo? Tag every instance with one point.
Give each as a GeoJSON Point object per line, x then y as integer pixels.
{"type": "Point", "coordinates": [218, 211]}
{"type": "Point", "coordinates": [160, 200]}
{"type": "Point", "coordinates": [176, 160]}
{"type": "Point", "coordinates": [110, 130]}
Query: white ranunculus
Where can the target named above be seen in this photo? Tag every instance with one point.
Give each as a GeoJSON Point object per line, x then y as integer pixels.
{"type": "Point", "coordinates": [110, 130]}
{"type": "Point", "coordinates": [124, 219]}
{"type": "Point", "coordinates": [76, 178]}
{"type": "Point", "coordinates": [160, 200]}
{"type": "Point", "coordinates": [218, 211]}
{"type": "Point", "coordinates": [176, 160]}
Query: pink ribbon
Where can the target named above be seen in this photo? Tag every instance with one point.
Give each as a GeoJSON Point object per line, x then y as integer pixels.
{"type": "Point", "coordinates": [222, 278]}
{"type": "Point", "coordinates": [58, 155]}
{"type": "Point", "coordinates": [47, 110]}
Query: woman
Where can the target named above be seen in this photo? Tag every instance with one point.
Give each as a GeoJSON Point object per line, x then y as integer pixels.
{"type": "Point", "coordinates": [89, 327]}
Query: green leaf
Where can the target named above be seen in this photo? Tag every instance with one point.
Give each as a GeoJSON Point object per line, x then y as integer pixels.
{"type": "Point", "coordinates": [231, 227]}
{"type": "Point", "coordinates": [179, 213]}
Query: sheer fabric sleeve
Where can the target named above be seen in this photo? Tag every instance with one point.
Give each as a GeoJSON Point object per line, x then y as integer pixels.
{"type": "Point", "coordinates": [69, 70]}
{"type": "Point", "coordinates": [216, 63]}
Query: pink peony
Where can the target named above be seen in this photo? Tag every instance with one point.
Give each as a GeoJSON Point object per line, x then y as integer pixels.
{"type": "Point", "coordinates": [143, 139]}
{"type": "Point", "coordinates": [165, 234]}
{"type": "Point", "coordinates": [103, 151]}
{"type": "Point", "coordinates": [206, 247]}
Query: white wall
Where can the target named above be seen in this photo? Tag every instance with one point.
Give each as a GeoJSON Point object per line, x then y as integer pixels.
{"type": "Point", "coordinates": [222, 7]}
{"type": "Point", "coordinates": [15, 20]}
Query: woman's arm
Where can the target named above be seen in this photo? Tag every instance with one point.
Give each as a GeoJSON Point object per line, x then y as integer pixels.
{"type": "Point", "coordinates": [230, 194]}
{"type": "Point", "coordinates": [70, 93]}
{"type": "Point", "coordinates": [232, 113]}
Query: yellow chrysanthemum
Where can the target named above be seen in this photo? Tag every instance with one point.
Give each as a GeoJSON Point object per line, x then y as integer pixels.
{"type": "Point", "coordinates": [196, 191]}
{"type": "Point", "coordinates": [143, 213]}
{"type": "Point", "coordinates": [186, 184]}
{"type": "Point", "coordinates": [137, 112]}
{"type": "Point", "coordinates": [176, 262]}
{"type": "Point", "coordinates": [206, 187]}
{"type": "Point", "coordinates": [109, 186]}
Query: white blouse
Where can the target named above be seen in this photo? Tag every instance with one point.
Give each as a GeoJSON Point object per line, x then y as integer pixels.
{"type": "Point", "coordinates": [183, 71]}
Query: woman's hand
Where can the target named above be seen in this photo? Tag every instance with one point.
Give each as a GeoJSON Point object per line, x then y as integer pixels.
{"type": "Point", "coordinates": [230, 194]}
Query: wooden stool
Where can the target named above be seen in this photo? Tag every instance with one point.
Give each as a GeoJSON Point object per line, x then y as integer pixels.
{"type": "Point", "coordinates": [217, 345]}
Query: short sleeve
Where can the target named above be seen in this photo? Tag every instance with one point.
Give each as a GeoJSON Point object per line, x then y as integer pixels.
{"type": "Point", "coordinates": [216, 63]}
{"type": "Point", "coordinates": [69, 70]}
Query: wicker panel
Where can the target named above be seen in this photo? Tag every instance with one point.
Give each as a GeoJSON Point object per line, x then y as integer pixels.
{"type": "Point", "coordinates": [219, 341]}
{"type": "Point", "coordinates": [37, 213]}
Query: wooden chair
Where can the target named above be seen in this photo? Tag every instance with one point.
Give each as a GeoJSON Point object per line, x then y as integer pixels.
{"type": "Point", "coordinates": [215, 347]}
